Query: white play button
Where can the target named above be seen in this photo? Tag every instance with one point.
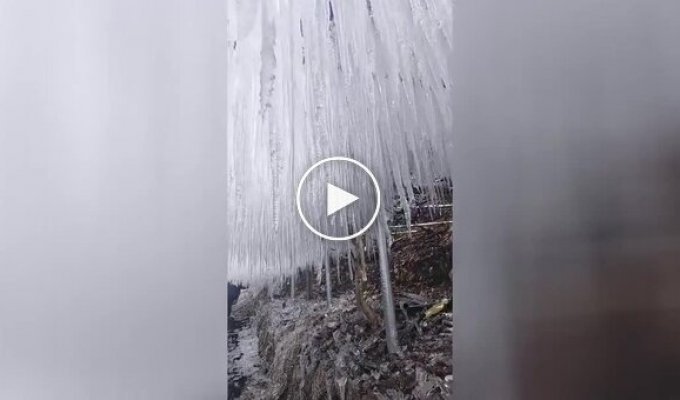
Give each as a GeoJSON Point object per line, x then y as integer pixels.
{"type": "Point", "coordinates": [337, 199]}
{"type": "Point", "coordinates": [361, 191]}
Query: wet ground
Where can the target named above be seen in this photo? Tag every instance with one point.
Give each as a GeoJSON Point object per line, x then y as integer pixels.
{"type": "Point", "coordinates": [236, 380]}
{"type": "Point", "coordinates": [242, 358]}
{"type": "Point", "coordinates": [302, 349]}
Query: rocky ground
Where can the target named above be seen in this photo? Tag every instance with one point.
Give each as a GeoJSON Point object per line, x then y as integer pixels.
{"type": "Point", "coordinates": [311, 352]}
{"type": "Point", "coordinates": [301, 349]}
{"type": "Point", "coordinates": [244, 364]}
{"type": "Point", "coordinates": [308, 351]}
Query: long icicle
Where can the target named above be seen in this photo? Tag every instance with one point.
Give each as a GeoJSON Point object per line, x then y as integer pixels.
{"type": "Point", "coordinates": [327, 267]}
{"type": "Point", "coordinates": [309, 281]}
{"type": "Point", "coordinates": [368, 80]}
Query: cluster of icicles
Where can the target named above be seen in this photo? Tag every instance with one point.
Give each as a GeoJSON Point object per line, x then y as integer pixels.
{"type": "Point", "coordinates": [310, 79]}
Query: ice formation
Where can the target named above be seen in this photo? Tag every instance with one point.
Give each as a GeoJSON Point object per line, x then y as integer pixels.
{"type": "Point", "coordinates": [310, 79]}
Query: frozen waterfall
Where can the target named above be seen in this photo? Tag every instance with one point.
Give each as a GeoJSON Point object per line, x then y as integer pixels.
{"type": "Point", "coordinates": [310, 79]}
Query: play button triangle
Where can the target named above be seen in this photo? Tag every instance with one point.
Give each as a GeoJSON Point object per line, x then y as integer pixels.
{"type": "Point", "coordinates": [337, 199]}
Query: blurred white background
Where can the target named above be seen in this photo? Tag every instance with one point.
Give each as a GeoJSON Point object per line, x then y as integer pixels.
{"type": "Point", "coordinates": [112, 200]}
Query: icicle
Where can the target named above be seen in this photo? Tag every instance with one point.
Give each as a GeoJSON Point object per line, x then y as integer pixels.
{"type": "Point", "coordinates": [309, 282]}
{"type": "Point", "coordinates": [350, 262]}
{"type": "Point", "coordinates": [337, 267]}
{"type": "Point", "coordinates": [308, 79]}
{"type": "Point", "coordinates": [327, 267]}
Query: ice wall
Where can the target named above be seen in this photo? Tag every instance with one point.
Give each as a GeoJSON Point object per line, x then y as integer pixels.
{"type": "Point", "coordinates": [311, 79]}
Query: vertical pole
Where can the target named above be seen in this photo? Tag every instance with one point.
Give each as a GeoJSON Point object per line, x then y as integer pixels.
{"type": "Point", "coordinates": [386, 288]}
{"type": "Point", "coordinates": [328, 280]}
{"type": "Point", "coordinates": [292, 264]}
{"type": "Point", "coordinates": [292, 276]}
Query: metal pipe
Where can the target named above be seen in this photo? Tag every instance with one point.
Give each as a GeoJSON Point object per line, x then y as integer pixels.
{"type": "Point", "coordinates": [387, 297]}
{"type": "Point", "coordinates": [293, 265]}
{"type": "Point", "coordinates": [422, 224]}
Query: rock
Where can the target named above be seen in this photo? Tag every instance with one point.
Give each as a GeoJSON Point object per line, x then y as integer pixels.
{"type": "Point", "coordinates": [326, 352]}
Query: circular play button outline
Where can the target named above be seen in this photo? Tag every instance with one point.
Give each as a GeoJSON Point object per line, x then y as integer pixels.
{"type": "Point", "coordinates": [377, 196]}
